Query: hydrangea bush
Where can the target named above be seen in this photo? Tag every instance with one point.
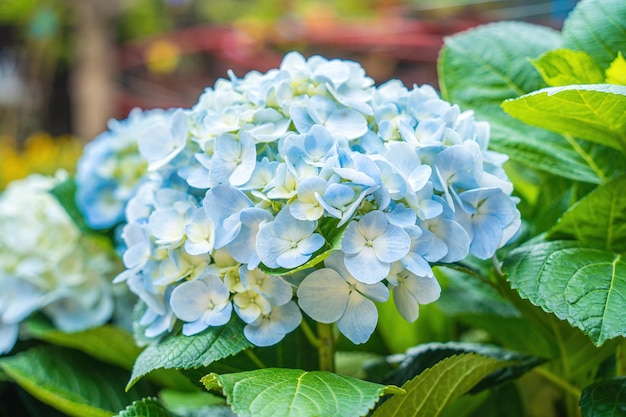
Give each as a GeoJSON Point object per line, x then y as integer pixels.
{"type": "Point", "coordinates": [47, 264]}
{"type": "Point", "coordinates": [303, 188]}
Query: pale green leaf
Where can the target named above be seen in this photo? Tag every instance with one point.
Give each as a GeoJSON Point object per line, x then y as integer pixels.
{"type": "Point", "coordinates": [599, 219]}
{"type": "Point", "coordinates": [70, 381]}
{"type": "Point", "coordinates": [482, 67]}
{"type": "Point", "coordinates": [146, 407]}
{"type": "Point", "coordinates": [187, 352]}
{"type": "Point", "coordinates": [565, 67]}
{"type": "Point", "coordinates": [596, 112]}
{"type": "Point", "coordinates": [428, 393]}
{"type": "Point", "coordinates": [586, 287]}
{"type": "Point", "coordinates": [604, 399]}
{"type": "Point", "coordinates": [597, 27]}
{"type": "Point", "coordinates": [616, 73]}
{"type": "Point", "coordinates": [295, 393]}
{"type": "Point", "coordinates": [95, 342]}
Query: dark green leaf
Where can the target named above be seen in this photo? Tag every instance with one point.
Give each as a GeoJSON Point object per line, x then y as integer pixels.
{"type": "Point", "coordinates": [187, 352]}
{"type": "Point", "coordinates": [565, 67]}
{"type": "Point", "coordinates": [146, 407]}
{"type": "Point", "coordinates": [599, 219]}
{"type": "Point", "coordinates": [296, 393]}
{"type": "Point", "coordinates": [604, 399]}
{"type": "Point", "coordinates": [428, 393]}
{"type": "Point", "coordinates": [70, 381]}
{"type": "Point", "coordinates": [598, 28]}
{"type": "Point", "coordinates": [595, 112]}
{"type": "Point", "coordinates": [586, 287]}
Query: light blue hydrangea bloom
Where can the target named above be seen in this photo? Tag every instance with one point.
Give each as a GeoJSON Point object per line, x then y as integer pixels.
{"type": "Point", "coordinates": [111, 168]}
{"type": "Point", "coordinates": [268, 171]}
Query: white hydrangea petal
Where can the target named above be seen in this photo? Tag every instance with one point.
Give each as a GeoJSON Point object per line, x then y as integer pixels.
{"type": "Point", "coordinates": [365, 266]}
{"type": "Point", "coordinates": [392, 245]}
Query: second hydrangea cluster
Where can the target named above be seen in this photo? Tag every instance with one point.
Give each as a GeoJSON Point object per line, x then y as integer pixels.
{"type": "Point", "coordinates": [307, 189]}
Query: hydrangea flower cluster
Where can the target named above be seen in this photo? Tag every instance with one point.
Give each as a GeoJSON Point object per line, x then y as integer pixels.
{"type": "Point", "coordinates": [111, 167]}
{"type": "Point", "coordinates": [47, 264]}
{"type": "Point", "coordinates": [309, 189]}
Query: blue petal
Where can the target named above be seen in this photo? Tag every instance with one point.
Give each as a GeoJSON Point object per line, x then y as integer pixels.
{"type": "Point", "coordinates": [365, 266]}
{"type": "Point", "coordinates": [323, 295]}
{"type": "Point", "coordinates": [360, 319]}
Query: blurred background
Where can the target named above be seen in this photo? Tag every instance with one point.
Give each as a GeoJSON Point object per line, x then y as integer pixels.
{"type": "Point", "coordinates": [67, 66]}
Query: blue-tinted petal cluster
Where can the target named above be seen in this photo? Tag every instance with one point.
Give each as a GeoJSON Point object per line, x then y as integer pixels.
{"type": "Point", "coordinates": [272, 169]}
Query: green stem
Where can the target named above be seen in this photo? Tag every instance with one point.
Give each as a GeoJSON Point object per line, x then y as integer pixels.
{"type": "Point", "coordinates": [254, 358]}
{"type": "Point", "coordinates": [559, 382]}
{"type": "Point", "coordinates": [308, 333]}
{"type": "Point", "coordinates": [326, 346]}
{"type": "Point", "coordinates": [620, 358]}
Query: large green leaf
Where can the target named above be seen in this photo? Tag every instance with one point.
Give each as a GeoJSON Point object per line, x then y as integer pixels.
{"type": "Point", "coordinates": [604, 399]}
{"type": "Point", "coordinates": [146, 407]}
{"type": "Point", "coordinates": [567, 67]}
{"type": "Point", "coordinates": [95, 342]}
{"type": "Point", "coordinates": [599, 219]}
{"type": "Point", "coordinates": [597, 27]}
{"type": "Point", "coordinates": [480, 68]}
{"type": "Point", "coordinates": [275, 392]}
{"type": "Point", "coordinates": [594, 112]}
{"type": "Point", "coordinates": [187, 352]}
{"type": "Point", "coordinates": [70, 381]}
{"type": "Point", "coordinates": [586, 287]}
{"type": "Point", "coordinates": [428, 393]}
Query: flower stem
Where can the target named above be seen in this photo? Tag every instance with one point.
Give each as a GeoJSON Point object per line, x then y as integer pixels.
{"type": "Point", "coordinates": [326, 347]}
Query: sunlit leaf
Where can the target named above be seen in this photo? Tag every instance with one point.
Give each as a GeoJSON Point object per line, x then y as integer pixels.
{"type": "Point", "coordinates": [616, 73]}
{"type": "Point", "coordinates": [565, 67]}
{"type": "Point", "coordinates": [296, 393]}
{"type": "Point", "coordinates": [429, 392]}
{"type": "Point", "coordinates": [595, 112]}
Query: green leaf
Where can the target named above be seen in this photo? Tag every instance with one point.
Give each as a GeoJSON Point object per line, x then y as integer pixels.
{"type": "Point", "coordinates": [586, 287]}
{"type": "Point", "coordinates": [604, 399]}
{"type": "Point", "coordinates": [70, 381]}
{"type": "Point", "coordinates": [480, 68]}
{"type": "Point", "coordinates": [187, 352]}
{"type": "Point", "coordinates": [65, 193]}
{"type": "Point", "coordinates": [597, 27]}
{"type": "Point", "coordinates": [598, 220]}
{"type": "Point", "coordinates": [565, 67]}
{"type": "Point", "coordinates": [616, 73]}
{"type": "Point", "coordinates": [596, 113]}
{"type": "Point", "coordinates": [95, 342]}
{"type": "Point", "coordinates": [146, 407]}
{"type": "Point", "coordinates": [294, 392]}
{"type": "Point", "coordinates": [428, 393]}
{"type": "Point", "coordinates": [195, 404]}
{"type": "Point", "coordinates": [425, 356]}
